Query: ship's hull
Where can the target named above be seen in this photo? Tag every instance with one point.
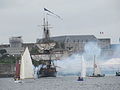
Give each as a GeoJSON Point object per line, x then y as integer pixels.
{"type": "Point", "coordinates": [98, 75]}
{"type": "Point", "coordinates": [117, 73]}
{"type": "Point", "coordinates": [49, 72]}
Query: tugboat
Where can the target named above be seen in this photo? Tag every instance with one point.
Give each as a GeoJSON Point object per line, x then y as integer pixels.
{"type": "Point", "coordinates": [46, 45]}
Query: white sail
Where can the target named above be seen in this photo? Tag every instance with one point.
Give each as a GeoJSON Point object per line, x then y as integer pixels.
{"type": "Point", "coordinates": [96, 68]}
{"type": "Point", "coordinates": [83, 67]}
{"type": "Point", "coordinates": [26, 68]}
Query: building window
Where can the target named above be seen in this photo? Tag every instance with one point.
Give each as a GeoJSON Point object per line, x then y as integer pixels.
{"type": "Point", "coordinates": [67, 40]}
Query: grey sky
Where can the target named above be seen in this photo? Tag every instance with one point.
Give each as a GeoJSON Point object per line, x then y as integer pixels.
{"type": "Point", "coordinates": [22, 17]}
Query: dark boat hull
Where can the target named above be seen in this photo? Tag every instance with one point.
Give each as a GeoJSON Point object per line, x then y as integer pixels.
{"type": "Point", "coordinates": [80, 79]}
{"type": "Point", "coordinates": [48, 74]}
{"type": "Point", "coordinates": [117, 73]}
{"type": "Point", "coordinates": [97, 75]}
{"type": "Point", "coordinates": [51, 72]}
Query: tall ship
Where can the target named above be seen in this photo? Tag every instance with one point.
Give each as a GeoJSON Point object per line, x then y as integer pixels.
{"type": "Point", "coordinates": [48, 51]}
{"type": "Point", "coordinates": [46, 46]}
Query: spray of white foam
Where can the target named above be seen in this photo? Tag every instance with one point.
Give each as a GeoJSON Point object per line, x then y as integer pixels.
{"type": "Point", "coordinates": [78, 63]}
{"type": "Point", "coordinates": [112, 64]}
{"type": "Point", "coordinates": [71, 65]}
{"type": "Point", "coordinates": [91, 49]}
{"type": "Point", "coordinates": [83, 67]}
{"type": "Point", "coordinates": [36, 70]}
{"type": "Point", "coordinates": [116, 51]}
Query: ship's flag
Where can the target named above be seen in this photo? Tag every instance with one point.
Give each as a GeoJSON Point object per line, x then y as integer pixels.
{"type": "Point", "coordinates": [52, 13]}
{"type": "Point", "coordinates": [48, 10]}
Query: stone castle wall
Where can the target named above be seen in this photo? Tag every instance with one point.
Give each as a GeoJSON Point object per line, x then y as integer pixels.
{"type": "Point", "coordinates": [7, 70]}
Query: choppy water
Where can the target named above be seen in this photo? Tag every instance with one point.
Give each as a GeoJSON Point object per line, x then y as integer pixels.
{"type": "Point", "coordinates": [62, 83]}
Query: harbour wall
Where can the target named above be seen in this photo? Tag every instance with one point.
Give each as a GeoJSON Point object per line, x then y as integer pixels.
{"type": "Point", "coordinates": [7, 70]}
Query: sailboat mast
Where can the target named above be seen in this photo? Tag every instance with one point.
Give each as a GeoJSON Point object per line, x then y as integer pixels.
{"type": "Point", "coordinates": [94, 65]}
{"type": "Point", "coordinates": [44, 28]}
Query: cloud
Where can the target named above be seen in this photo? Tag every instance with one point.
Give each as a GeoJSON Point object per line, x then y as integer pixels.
{"type": "Point", "coordinates": [79, 17]}
{"type": "Point", "coordinates": [13, 3]}
{"type": "Point", "coordinates": [6, 3]}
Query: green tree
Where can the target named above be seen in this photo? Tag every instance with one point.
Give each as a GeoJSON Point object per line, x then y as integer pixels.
{"type": "Point", "coordinates": [3, 51]}
{"type": "Point", "coordinates": [34, 50]}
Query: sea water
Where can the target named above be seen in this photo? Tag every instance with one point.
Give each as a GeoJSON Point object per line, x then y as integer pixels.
{"type": "Point", "coordinates": [62, 83]}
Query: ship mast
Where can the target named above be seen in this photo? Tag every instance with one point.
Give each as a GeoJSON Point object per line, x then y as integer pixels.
{"type": "Point", "coordinates": [94, 65]}
{"type": "Point", "coordinates": [46, 40]}
{"type": "Point", "coordinates": [46, 33]}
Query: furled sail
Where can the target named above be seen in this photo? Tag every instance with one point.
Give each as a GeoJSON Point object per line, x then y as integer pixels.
{"type": "Point", "coordinates": [26, 68]}
{"type": "Point", "coordinates": [46, 46]}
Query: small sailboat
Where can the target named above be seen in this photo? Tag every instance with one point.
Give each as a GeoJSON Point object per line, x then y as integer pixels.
{"type": "Point", "coordinates": [117, 73]}
{"type": "Point", "coordinates": [96, 70]}
{"type": "Point", "coordinates": [26, 66]}
{"type": "Point", "coordinates": [83, 70]}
